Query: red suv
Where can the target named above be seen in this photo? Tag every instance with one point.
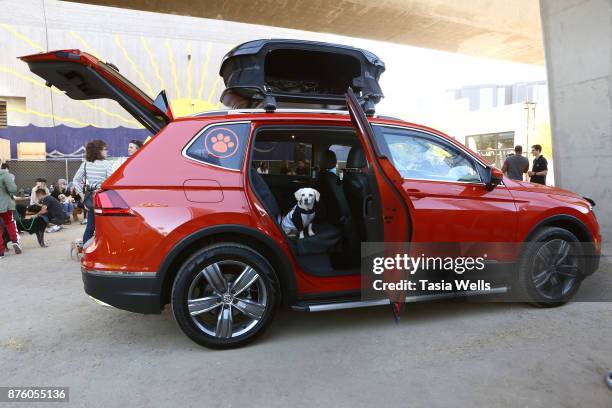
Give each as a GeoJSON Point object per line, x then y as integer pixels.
{"type": "Point", "coordinates": [193, 219]}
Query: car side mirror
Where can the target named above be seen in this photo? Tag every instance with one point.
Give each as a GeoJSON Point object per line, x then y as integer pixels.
{"type": "Point", "coordinates": [494, 178]}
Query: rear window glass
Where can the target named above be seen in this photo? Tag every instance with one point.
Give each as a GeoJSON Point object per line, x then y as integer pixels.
{"type": "Point", "coordinates": [283, 158]}
{"type": "Point", "coordinates": [221, 145]}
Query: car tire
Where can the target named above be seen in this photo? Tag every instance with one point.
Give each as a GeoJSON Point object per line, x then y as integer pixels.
{"type": "Point", "coordinates": [540, 280]}
{"type": "Point", "coordinates": [242, 311]}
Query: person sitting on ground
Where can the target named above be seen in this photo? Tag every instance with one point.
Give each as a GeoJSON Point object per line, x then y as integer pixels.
{"type": "Point", "coordinates": [41, 183]}
{"type": "Point", "coordinates": [64, 195]}
{"type": "Point", "coordinates": [61, 187]}
{"type": "Point", "coordinates": [51, 211]}
{"type": "Point", "coordinates": [78, 205]}
{"type": "Point", "coordinates": [67, 203]}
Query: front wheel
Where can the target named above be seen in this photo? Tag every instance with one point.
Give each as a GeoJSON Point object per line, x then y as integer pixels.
{"type": "Point", "coordinates": [224, 296]}
{"type": "Point", "coordinates": [551, 268]}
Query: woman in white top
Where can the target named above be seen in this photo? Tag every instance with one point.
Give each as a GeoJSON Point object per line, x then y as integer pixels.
{"type": "Point", "coordinates": [89, 177]}
{"type": "Point", "coordinates": [40, 183]}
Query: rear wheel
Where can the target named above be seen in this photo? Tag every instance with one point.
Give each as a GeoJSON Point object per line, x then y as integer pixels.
{"type": "Point", "coordinates": [551, 268]}
{"type": "Point", "coordinates": [224, 296]}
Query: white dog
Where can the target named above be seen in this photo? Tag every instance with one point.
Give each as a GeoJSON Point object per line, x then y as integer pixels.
{"type": "Point", "coordinates": [299, 219]}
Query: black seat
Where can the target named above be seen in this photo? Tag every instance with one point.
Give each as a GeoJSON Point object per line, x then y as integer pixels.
{"type": "Point", "coordinates": [333, 200]}
{"type": "Point", "coordinates": [326, 235]}
{"type": "Point", "coordinates": [265, 195]}
{"type": "Point", "coordinates": [332, 197]}
{"type": "Point", "coordinates": [357, 189]}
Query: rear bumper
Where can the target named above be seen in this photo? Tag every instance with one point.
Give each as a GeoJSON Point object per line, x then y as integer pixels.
{"type": "Point", "coordinates": [131, 291]}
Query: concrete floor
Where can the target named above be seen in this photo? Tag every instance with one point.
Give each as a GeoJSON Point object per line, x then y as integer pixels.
{"type": "Point", "coordinates": [444, 354]}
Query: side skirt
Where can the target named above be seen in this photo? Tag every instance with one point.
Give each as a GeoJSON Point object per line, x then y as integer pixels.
{"type": "Point", "coordinates": [352, 304]}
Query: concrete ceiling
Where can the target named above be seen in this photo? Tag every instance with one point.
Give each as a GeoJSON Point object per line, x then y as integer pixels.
{"type": "Point", "coordinates": [499, 29]}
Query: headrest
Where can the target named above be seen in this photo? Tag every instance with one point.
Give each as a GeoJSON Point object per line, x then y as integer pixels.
{"type": "Point", "coordinates": [329, 160]}
{"type": "Point", "coordinates": [356, 159]}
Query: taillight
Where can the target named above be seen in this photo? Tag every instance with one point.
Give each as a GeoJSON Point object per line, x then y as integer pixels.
{"type": "Point", "coordinates": [109, 202]}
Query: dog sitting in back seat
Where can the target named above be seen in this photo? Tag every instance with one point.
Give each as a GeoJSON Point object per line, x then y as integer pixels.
{"type": "Point", "coordinates": [299, 219]}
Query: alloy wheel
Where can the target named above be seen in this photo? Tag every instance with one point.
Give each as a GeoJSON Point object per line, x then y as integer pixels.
{"type": "Point", "coordinates": [555, 270]}
{"type": "Point", "coordinates": [227, 299]}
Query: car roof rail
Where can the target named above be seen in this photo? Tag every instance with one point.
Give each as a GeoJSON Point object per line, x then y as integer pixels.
{"type": "Point", "coordinates": [283, 110]}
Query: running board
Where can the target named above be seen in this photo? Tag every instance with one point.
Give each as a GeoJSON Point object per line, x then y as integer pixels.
{"type": "Point", "coordinates": [324, 307]}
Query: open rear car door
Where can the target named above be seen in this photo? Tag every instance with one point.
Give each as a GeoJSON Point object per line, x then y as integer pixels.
{"type": "Point", "coordinates": [82, 77]}
{"type": "Point", "coordinates": [395, 213]}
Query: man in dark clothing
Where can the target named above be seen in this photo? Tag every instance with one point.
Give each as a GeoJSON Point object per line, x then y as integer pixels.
{"type": "Point", "coordinates": [51, 208]}
{"type": "Point", "coordinates": [539, 170]}
{"type": "Point", "coordinates": [516, 165]}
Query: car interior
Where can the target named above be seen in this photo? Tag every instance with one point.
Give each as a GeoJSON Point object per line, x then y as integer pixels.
{"type": "Point", "coordinates": [332, 161]}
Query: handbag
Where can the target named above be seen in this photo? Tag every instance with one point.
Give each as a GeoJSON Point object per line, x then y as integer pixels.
{"type": "Point", "coordinates": [85, 187]}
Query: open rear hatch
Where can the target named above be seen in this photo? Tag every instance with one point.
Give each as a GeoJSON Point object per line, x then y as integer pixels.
{"type": "Point", "coordinates": [293, 73]}
{"type": "Point", "coordinates": [82, 76]}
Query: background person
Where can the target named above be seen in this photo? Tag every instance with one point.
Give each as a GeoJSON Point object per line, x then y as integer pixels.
{"type": "Point", "coordinates": [134, 146]}
{"type": "Point", "coordinates": [78, 204]}
{"type": "Point", "coordinates": [61, 187]}
{"type": "Point", "coordinates": [41, 182]}
{"type": "Point", "coordinates": [62, 193]}
{"type": "Point", "coordinates": [539, 170]}
{"type": "Point", "coordinates": [516, 165]}
{"type": "Point", "coordinates": [8, 189]}
{"type": "Point", "coordinates": [51, 210]}
{"type": "Point", "coordinates": [89, 177]}
{"type": "Point", "coordinates": [263, 168]}
{"type": "Point", "coordinates": [301, 169]}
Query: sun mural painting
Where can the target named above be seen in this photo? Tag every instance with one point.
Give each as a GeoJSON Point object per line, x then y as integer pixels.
{"type": "Point", "coordinates": [188, 95]}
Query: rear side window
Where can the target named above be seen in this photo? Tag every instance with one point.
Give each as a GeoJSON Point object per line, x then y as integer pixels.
{"type": "Point", "coordinates": [221, 145]}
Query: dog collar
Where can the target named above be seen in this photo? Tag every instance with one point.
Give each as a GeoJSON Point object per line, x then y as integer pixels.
{"type": "Point", "coordinates": [303, 211]}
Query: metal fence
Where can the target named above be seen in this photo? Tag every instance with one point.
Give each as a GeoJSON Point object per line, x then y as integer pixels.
{"type": "Point", "coordinates": [26, 172]}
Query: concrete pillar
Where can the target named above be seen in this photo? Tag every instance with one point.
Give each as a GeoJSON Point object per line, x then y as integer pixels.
{"type": "Point", "coordinates": [578, 44]}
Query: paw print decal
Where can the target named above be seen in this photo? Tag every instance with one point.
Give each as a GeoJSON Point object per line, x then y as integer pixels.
{"type": "Point", "coordinates": [221, 143]}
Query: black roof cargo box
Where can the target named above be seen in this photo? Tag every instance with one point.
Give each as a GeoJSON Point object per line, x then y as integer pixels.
{"type": "Point", "coordinates": [294, 73]}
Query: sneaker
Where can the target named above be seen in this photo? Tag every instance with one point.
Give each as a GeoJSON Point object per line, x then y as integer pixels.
{"type": "Point", "coordinates": [54, 228]}
{"type": "Point", "coordinates": [16, 248]}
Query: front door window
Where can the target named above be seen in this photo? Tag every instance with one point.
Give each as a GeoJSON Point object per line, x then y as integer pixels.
{"type": "Point", "coordinates": [421, 157]}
